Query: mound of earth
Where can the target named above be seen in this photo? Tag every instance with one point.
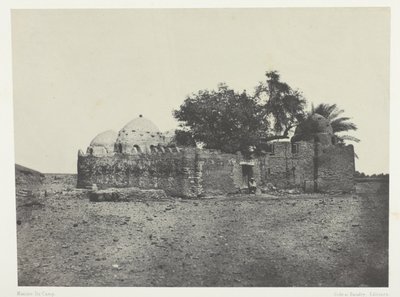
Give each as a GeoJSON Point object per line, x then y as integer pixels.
{"type": "Point", "coordinates": [27, 178]}
{"type": "Point", "coordinates": [28, 183]}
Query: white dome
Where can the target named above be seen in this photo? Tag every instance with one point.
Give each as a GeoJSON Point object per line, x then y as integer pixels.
{"type": "Point", "coordinates": [105, 138]}
{"type": "Point", "coordinates": [103, 143]}
{"type": "Point", "coordinates": [140, 132]}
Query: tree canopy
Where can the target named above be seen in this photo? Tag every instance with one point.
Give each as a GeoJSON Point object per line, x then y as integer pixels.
{"type": "Point", "coordinates": [234, 121]}
{"type": "Point", "coordinates": [284, 106]}
{"type": "Point", "coordinates": [237, 121]}
{"type": "Point", "coordinates": [222, 119]}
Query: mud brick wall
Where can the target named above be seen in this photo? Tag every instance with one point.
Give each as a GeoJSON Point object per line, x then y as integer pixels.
{"type": "Point", "coordinates": [192, 172]}
{"type": "Point", "coordinates": [303, 163]}
{"type": "Point", "coordinates": [285, 169]}
{"type": "Point", "coordinates": [172, 172]}
{"type": "Point", "coordinates": [218, 173]}
{"type": "Point", "coordinates": [336, 169]}
{"type": "Point", "coordinates": [369, 185]}
{"type": "Point", "coordinates": [188, 173]}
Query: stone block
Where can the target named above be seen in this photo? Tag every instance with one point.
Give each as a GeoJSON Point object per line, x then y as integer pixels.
{"type": "Point", "coordinates": [125, 195]}
{"type": "Point", "coordinates": [309, 186]}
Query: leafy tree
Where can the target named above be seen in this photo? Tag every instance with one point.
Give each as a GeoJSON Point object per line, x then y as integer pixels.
{"type": "Point", "coordinates": [234, 121]}
{"type": "Point", "coordinates": [184, 138]}
{"type": "Point", "coordinates": [223, 119]}
{"type": "Point", "coordinates": [283, 105]}
{"type": "Point", "coordinates": [359, 174]}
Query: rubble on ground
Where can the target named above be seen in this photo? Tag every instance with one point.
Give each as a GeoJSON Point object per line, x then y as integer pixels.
{"type": "Point", "coordinates": [126, 194]}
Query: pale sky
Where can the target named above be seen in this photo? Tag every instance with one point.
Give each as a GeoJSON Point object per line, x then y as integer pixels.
{"type": "Point", "coordinates": [77, 73]}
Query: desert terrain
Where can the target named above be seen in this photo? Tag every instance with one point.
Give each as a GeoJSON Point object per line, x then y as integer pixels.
{"type": "Point", "coordinates": [265, 240]}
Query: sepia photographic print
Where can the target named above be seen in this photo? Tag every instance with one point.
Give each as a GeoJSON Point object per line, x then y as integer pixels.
{"type": "Point", "coordinates": [202, 147]}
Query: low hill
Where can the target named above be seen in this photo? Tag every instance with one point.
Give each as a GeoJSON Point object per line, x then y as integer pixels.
{"type": "Point", "coordinates": [26, 177]}
{"type": "Point", "coordinates": [28, 183]}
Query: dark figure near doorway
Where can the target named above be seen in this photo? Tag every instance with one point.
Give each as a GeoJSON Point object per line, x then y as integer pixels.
{"type": "Point", "coordinates": [252, 186]}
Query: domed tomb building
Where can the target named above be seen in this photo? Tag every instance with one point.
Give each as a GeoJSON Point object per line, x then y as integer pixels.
{"type": "Point", "coordinates": [138, 136]}
{"type": "Point", "coordinates": [141, 156]}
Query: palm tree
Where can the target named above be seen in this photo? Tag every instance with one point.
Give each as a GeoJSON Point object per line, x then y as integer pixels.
{"type": "Point", "coordinates": [339, 123]}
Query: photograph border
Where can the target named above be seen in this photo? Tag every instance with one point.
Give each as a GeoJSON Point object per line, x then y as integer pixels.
{"type": "Point", "coordinates": [8, 271]}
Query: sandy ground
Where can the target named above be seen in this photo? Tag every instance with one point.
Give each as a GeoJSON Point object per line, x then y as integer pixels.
{"type": "Point", "coordinates": [243, 240]}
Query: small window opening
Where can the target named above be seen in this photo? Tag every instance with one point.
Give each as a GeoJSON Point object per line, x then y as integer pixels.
{"type": "Point", "coordinates": [295, 148]}
{"type": "Point", "coordinates": [270, 148]}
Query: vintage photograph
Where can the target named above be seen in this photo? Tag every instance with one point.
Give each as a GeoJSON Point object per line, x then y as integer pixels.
{"type": "Point", "coordinates": [208, 147]}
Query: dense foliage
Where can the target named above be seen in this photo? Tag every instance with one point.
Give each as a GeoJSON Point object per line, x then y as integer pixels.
{"type": "Point", "coordinates": [237, 121]}
{"type": "Point", "coordinates": [222, 119]}
{"type": "Point", "coordinates": [284, 106]}
{"type": "Point", "coordinates": [358, 174]}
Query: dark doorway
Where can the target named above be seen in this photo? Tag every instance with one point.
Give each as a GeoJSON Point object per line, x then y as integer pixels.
{"type": "Point", "coordinates": [247, 173]}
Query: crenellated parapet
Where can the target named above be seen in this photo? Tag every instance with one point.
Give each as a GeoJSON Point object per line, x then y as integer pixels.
{"type": "Point", "coordinates": [133, 150]}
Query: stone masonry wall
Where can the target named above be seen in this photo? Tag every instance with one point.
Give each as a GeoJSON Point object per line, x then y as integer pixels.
{"type": "Point", "coordinates": [285, 169]}
{"type": "Point", "coordinates": [219, 173]}
{"type": "Point", "coordinates": [192, 172]}
{"type": "Point", "coordinates": [172, 172]}
{"type": "Point", "coordinates": [336, 169]}
{"type": "Point", "coordinates": [303, 164]}
{"type": "Point", "coordinates": [189, 173]}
